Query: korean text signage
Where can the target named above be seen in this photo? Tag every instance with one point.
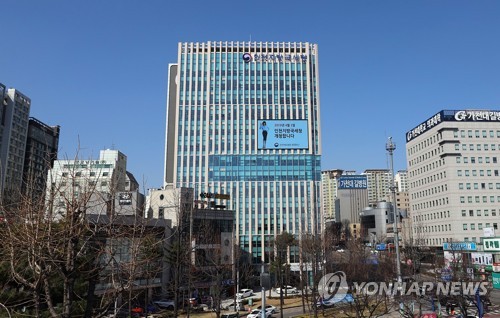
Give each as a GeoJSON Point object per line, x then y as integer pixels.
{"type": "Point", "coordinates": [208, 195]}
{"type": "Point", "coordinates": [460, 246]}
{"type": "Point", "coordinates": [453, 115]}
{"type": "Point", "coordinates": [282, 134]}
{"type": "Point", "coordinates": [125, 198]}
{"type": "Point", "coordinates": [353, 182]}
{"type": "Point", "coordinates": [491, 244]}
{"type": "Point", "coordinates": [496, 280]}
{"type": "Point", "coordinates": [274, 58]}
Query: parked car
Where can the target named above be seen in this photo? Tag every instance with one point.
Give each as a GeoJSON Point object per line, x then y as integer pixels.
{"type": "Point", "coordinates": [287, 290]}
{"type": "Point", "coordinates": [165, 304]}
{"type": "Point", "coordinates": [269, 308]}
{"type": "Point", "coordinates": [229, 305]}
{"type": "Point", "coordinates": [244, 293]}
{"type": "Point", "coordinates": [256, 313]}
{"type": "Point", "coordinates": [230, 315]}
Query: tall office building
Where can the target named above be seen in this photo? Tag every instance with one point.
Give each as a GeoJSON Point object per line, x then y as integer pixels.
{"type": "Point", "coordinates": [13, 133]}
{"type": "Point", "coordinates": [243, 121]}
{"type": "Point", "coordinates": [41, 151]}
{"type": "Point", "coordinates": [454, 176]}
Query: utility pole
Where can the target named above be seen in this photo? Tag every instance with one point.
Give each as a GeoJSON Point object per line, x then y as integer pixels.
{"type": "Point", "coordinates": [390, 147]}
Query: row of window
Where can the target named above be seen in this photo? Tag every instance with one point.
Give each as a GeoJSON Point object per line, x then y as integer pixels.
{"type": "Point", "coordinates": [478, 147]}
{"type": "Point", "coordinates": [477, 133]}
{"type": "Point", "coordinates": [79, 174]}
{"type": "Point", "coordinates": [479, 212]}
{"type": "Point", "coordinates": [477, 186]}
{"type": "Point", "coordinates": [473, 159]}
{"type": "Point", "coordinates": [472, 226]}
{"type": "Point", "coordinates": [431, 216]}
{"type": "Point", "coordinates": [479, 199]}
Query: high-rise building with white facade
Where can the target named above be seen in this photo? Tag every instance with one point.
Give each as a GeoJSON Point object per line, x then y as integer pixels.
{"type": "Point", "coordinates": [379, 185]}
{"type": "Point", "coordinates": [329, 186]}
{"type": "Point", "coordinates": [454, 176]}
{"type": "Point", "coordinates": [401, 180]}
{"type": "Point", "coordinates": [243, 120]}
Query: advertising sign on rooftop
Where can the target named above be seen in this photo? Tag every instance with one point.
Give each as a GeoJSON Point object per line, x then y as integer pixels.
{"type": "Point", "coordinates": [453, 115]}
{"type": "Point", "coordinates": [353, 182]}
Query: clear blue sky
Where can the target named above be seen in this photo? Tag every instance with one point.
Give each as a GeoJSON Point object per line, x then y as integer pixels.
{"type": "Point", "coordinates": [99, 68]}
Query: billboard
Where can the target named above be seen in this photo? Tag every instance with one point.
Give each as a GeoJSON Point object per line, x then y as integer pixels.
{"type": "Point", "coordinates": [282, 134]}
{"type": "Point", "coordinates": [353, 182]}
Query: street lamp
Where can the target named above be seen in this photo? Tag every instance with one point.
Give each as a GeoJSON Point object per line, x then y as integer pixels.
{"type": "Point", "coordinates": [390, 147]}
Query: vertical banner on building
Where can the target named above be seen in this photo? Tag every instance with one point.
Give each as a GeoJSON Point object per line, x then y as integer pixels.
{"type": "Point", "coordinates": [282, 134]}
{"type": "Point", "coordinates": [496, 280]}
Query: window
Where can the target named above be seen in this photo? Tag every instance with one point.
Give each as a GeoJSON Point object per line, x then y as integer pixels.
{"type": "Point", "coordinates": [104, 183]}
{"type": "Point", "coordinates": [459, 173]}
{"type": "Point", "coordinates": [462, 199]}
{"type": "Point", "coordinates": [493, 212]}
{"type": "Point", "coordinates": [92, 173]}
{"type": "Point", "coordinates": [466, 159]}
{"type": "Point", "coordinates": [480, 226]}
{"type": "Point", "coordinates": [473, 226]}
{"type": "Point", "coordinates": [486, 212]}
{"type": "Point", "coordinates": [464, 227]}
{"type": "Point", "coordinates": [458, 159]}
{"type": "Point", "coordinates": [457, 147]}
{"type": "Point", "coordinates": [471, 212]}
{"type": "Point", "coordinates": [472, 160]}
{"type": "Point", "coordinates": [64, 174]}
{"type": "Point", "coordinates": [161, 213]}
{"type": "Point", "coordinates": [78, 174]}
{"type": "Point", "coordinates": [495, 226]}
{"type": "Point", "coordinates": [105, 174]}
{"type": "Point", "coordinates": [478, 212]}
{"type": "Point", "coordinates": [461, 186]}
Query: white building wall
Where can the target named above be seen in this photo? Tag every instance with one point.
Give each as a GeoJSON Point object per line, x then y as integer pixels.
{"type": "Point", "coordinates": [454, 181]}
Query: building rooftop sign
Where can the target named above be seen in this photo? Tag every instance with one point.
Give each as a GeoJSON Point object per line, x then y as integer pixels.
{"type": "Point", "coordinates": [453, 115]}
{"type": "Point", "coordinates": [274, 58]}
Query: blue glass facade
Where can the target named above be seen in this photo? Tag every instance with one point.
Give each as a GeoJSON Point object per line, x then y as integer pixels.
{"type": "Point", "coordinates": [219, 96]}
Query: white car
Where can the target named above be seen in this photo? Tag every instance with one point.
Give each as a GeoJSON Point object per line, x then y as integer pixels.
{"type": "Point", "coordinates": [165, 304]}
{"type": "Point", "coordinates": [269, 308]}
{"type": "Point", "coordinates": [256, 313]}
{"type": "Point", "coordinates": [244, 293]}
{"type": "Point", "coordinates": [287, 290]}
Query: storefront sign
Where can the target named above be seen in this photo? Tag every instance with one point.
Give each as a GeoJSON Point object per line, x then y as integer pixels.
{"type": "Point", "coordinates": [460, 246]}
{"type": "Point", "coordinates": [491, 244]}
